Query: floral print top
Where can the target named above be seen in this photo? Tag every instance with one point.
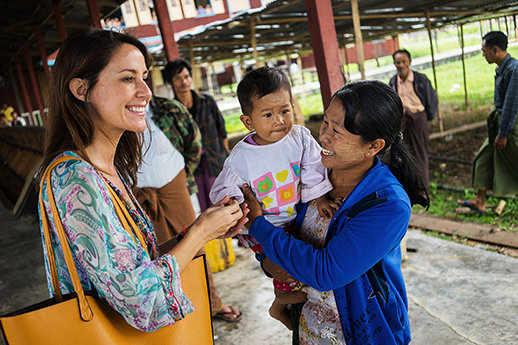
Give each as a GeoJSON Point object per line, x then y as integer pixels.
{"type": "Point", "coordinates": [145, 290]}
{"type": "Point", "coordinates": [319, 323]}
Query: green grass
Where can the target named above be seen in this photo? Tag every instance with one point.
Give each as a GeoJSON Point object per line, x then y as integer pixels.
{"type": "Point", "coordinates": [311, 104]}
{"type": "Point", "coordinates": [444, 202]}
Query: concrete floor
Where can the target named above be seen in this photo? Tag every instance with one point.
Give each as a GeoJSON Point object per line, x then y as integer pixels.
{"type": "Point", "coordinates": [457, 294]}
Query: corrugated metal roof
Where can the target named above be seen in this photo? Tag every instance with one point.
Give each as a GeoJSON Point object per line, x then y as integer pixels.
{"type": "Point", "coordinates": [282, 25]}
{"type": "Point", "coordinates": [20, 18]}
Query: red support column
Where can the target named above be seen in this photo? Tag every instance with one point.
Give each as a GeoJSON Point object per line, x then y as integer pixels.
{"type": "Point", "coordinates": [255, 3]}
{"type": "Point", "coordinates": [59, 19]}
{"type": "Point", "coordinates": [166, 30]}
{"type": "Point", "coordinates": [28, 105]}
{"type": "Point", "coordinates": [95, 15]}
{"type": "Point", "coordinates": [32, 75]}
{"type": "Point", "coordinates": [325, 47]}
{"type": "Point", "coordinates": [43, 54]}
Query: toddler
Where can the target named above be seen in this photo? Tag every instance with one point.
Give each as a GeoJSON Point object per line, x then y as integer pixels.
{"type": "Point", "coordinates": [281, 164]}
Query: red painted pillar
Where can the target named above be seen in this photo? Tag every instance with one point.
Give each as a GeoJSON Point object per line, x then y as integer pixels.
{"type": "Point", "coordinates": [166, 30]}
{"type": "Point", "coordinates": [95, 15]}
{"type": "Point", "coordinates": [255, 3]}
{"type": "Point", "coordinates": [325, 47]}
{"type": "Point", "coordinates": [43, 54]}
{"type": "Point", "coordinates": [28, 105]}
{"type": "Point", "coordinates": [32, 76]}
{"type": "Point", "coordinates": [59, 19]}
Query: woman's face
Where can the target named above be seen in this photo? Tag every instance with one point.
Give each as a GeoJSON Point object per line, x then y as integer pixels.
{"type": "Point", "coordinates": [121, 94]}
{"type": "Point", "coordinates": [340, 148]}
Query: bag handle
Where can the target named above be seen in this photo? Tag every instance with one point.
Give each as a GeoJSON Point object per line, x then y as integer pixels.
{"type": "Point", "coordinates": [122, 213]}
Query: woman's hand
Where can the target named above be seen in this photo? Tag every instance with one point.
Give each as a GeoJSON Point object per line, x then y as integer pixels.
{"type": "Point", "coordinates": [236, 229]}
{"type": "Point", "coordinates": [253, 205]}
{"type": "Point", "coordinates": [220, 220]}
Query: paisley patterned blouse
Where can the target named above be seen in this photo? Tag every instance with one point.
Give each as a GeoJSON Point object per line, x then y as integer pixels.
{"type": "Point", "coordinates": [319, 323]}
{"type": "Point", "coordinates": [145, 290]}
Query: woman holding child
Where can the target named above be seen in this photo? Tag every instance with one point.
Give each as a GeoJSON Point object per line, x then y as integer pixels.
{"type": "Point", "coordinates": [351, 262]}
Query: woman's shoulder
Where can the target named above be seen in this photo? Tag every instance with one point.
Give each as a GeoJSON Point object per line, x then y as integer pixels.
{"type": "Point", "coordinates": [383, 184]}
{"type": "Point", "coordinates": [74, 168]}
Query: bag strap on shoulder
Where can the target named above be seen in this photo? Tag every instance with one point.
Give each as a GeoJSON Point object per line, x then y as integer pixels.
{"type": "Point", "coordinates": [367, 202]}
{"type": "Point", "coordinates": [126, 220]}
{"type": "Point", "coordinates": [84, 308]}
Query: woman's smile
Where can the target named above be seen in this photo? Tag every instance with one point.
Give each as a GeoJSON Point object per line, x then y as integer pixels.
{"type": "Point", "coordinates": [138, 109]}
{"type": "Point", "coordinates": [327, 152]}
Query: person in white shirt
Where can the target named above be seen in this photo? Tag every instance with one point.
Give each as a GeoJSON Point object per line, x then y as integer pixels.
{"type": "Point", "coordinates": [162, 184]}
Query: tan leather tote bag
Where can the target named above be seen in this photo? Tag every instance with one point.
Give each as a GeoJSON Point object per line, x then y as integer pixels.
{"type": "Point", "coordinates": [83, 319]}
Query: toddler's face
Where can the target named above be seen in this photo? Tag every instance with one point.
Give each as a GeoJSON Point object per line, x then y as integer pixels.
{"type": "Point", "coordinates": [271, 117]}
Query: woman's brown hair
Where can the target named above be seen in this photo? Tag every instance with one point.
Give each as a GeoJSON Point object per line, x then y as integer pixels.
{"type": "Point", "coordinates": [69, 125]}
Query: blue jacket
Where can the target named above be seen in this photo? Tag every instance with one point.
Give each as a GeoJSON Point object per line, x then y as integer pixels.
{"type": "Point", "coordinates": [361, 261]}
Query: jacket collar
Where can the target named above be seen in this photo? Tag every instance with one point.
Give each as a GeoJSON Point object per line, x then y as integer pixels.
{"type": "Point", "coordinates": [376, 179]}
{"type": "Point", "coordinates": [503, 66]}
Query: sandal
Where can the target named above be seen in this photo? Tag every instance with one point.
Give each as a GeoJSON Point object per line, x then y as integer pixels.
{"type": "Point", "coordinates": [229, 316]}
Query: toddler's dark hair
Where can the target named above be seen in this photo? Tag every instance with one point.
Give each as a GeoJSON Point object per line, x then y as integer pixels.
{"type": "Point", "coordinates": [258, 83]}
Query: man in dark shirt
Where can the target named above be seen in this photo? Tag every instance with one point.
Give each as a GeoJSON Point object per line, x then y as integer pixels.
{"type": "Point", "coordinates": [205, 112]}
{"type": "Point", "coordinates": [496, 165]}
{"type": "Point", "coordinates": [420, 104]}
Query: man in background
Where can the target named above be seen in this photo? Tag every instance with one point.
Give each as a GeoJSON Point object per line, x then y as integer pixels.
{"type": "Point", "coordinates": [206, 113]}
{"type": "Point", "coordinates": [496, 164]}
{"type": "Point", "coordinates": [420, 105]}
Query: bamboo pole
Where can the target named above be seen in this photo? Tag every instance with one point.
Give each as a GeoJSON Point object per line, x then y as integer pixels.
{"type": "Point", "coordinates": [463, 64]}
{"type": "Point", "coordinates": [210, 68]}
{"type": "Point", "coordinates": [429, 26]}
{"type": "Point", "coordinates": [288, 63]}
{"type": "Point", "coordinates": [196, 75]}
{"type": "Point", "coordinates": [358, 37]}
{"type": "Point", "coordinates": [254, 41]}
{"type": "Point", "coordinates": [347, 73]}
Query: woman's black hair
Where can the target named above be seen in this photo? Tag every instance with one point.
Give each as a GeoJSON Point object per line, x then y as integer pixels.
{"type": "Point", "coordinates": [374, 111]}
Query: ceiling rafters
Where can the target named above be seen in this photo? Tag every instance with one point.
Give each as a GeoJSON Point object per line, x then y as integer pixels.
{"type": "Point", "coordinates": [378, 19]}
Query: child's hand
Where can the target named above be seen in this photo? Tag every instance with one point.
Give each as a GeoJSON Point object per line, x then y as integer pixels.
{"type": "Point", "coordinates": [236, 229]}
{"type": "Point", "coordinates": [327, 208]}
{"type": "Point", "coordinates": [253, 205]}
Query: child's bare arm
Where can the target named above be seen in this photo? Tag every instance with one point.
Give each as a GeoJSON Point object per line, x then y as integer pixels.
{"type": "Point", "coordinates": [277, 272]}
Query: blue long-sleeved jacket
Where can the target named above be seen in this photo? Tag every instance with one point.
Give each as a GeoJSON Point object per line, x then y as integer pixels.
{"type": "Point", "coordinates": [361, 261]}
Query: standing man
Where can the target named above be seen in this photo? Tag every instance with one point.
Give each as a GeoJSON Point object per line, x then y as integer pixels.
{"type": "Point", "coordinates": [205, 112]}
{"type": "Point", "coordinates": [496, 164]}
{"type": "Point", "coordinates": [420, 105]}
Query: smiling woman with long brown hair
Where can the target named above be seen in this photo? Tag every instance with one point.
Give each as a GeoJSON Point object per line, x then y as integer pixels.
{"type": "Point", "coordinates": [96, 114]}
